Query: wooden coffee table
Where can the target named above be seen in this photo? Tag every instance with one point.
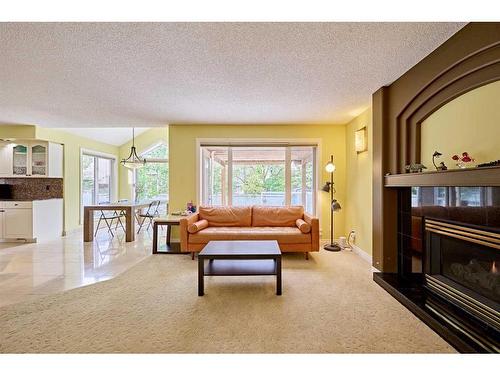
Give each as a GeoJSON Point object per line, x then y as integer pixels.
{"type": "Point", "coordinates": [239, 258]}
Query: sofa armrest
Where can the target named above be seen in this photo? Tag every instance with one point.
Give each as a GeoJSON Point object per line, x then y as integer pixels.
{"type": "Point", "coordinates": [314, 223]}
{"type": "Point", "coordinates": [183, 229]}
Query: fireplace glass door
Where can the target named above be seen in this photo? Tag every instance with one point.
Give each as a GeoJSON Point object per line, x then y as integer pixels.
{"type": "Point", "coordinates": [462, 266]}
{"type": "Point", "coordinates": [472, 266]}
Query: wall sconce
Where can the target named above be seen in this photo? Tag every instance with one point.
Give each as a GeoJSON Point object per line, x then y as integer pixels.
{"type": "Point", "coordinates": [360, 140]}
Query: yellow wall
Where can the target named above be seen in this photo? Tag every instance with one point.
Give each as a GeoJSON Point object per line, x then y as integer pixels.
{"type": "Point", "coordinates": [182, 159]}
{"type": "Point", "coordinates": [18, 131]}
{"type": "Point", "coordinates": [142, 143]}
{"type": "Point", "coordinates": [72, 146]}
{"type": "Point", "coordinates": [469, 123]}
{"type": "Point", "coordinates": [358, 204]}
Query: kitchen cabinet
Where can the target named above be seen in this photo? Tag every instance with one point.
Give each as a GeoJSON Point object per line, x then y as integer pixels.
{"type": "Point", "coordinates": [18, 221]}
{"type": "Point", "coordinates": [55, 160]}
{"type": "Point", "coordinates": [39, 156]}
{"type": "Point", "coordinates": [5, 159]}
{"type": "Point", "coordinates": [20, 160]}
{"type": "Point", "coordinates": [32, 221]}
{"type": "Point", "coordinates": [31, 158]}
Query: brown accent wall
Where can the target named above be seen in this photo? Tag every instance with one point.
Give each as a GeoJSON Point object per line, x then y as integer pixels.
{"type": "Point", "coordinates": [34, 188]}
{"type": "Point", "coordinates": [469, 59]}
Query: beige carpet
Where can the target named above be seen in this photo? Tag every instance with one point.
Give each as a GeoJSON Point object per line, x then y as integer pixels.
{"type": "Point", "coordinates": [329, 305]}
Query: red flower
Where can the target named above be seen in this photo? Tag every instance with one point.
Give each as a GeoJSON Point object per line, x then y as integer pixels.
{"type": "Point", "coordinates": [455, 157]}
{"type": "Point", "coordinates": [464, 154]}
{"type": "Point", "coordinates": [466, 159]}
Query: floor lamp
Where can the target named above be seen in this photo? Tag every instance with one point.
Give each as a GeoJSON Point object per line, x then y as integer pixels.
{"type": "Point", "coordinates": [334, 206]}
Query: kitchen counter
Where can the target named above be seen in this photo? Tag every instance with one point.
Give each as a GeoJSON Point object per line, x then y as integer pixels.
{"type": "Point", "coordinates": [31, 220]}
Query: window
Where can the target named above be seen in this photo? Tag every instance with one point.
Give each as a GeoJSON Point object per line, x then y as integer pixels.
{"type": "Point", "coordinates": [97, 179]}
{"type": "Point", "coordinates": [258, 175]}
{"type": "Point", "coordinates": [302, 177]}
{"type": "Point", "coordinates": [151, 181]}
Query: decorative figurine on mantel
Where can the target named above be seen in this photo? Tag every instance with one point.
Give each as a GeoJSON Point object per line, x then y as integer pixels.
{"type": "Point", "coordinates": [464, 160]}
{"type": "Point", "coordinates": [494, 163]}
{"type": "Point", "coordinates": [415, 167]}
{"type": "Point", "coordinates": [442, 166]}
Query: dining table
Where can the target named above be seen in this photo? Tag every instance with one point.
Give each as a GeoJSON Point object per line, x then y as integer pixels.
{"type": "Point", "coordinates": [128, 207]}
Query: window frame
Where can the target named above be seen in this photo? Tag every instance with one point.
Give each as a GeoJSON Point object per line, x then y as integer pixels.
{"type": "Point", "coordinates": [288, 144]}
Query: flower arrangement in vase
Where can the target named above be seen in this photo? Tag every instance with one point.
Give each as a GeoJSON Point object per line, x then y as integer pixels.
{"type": "Point", "coordinates": [464, 160]}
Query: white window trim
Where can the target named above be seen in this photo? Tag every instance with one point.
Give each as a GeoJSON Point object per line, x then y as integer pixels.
{"type": "Point", "coordinates": [151, 147]}
{"type": "Point", "coordinates": [114, 175]}
{"type": "Point", "coordinates": [317, 142]}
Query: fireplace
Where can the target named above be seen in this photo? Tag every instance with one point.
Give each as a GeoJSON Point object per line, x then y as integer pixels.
{"type": "Point", "coordinates": [461, 265]}
{"type": "Point", "coordinates": [448, 265]}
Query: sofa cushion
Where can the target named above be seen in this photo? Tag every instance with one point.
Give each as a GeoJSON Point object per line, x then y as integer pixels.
{"type": "Point", "coordinates": [303, 226]}
{"type": "Point", "coordinates": [199, 225]}
{"type": "Point", "coordinates": [268, 216]}
{"type": "Point", "coordinates": [227, 216]}
{"type": "Point", "coordinates": [289, 235]}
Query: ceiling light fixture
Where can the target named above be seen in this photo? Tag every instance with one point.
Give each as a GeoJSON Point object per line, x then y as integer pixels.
{"type": "Point", "coordinates": [133, 161]}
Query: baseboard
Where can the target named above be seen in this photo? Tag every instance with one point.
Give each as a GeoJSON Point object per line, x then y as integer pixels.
{"type": "Point", "coordinates": [363, 254]}
{"type": "Point", "coordinates": [69, 232]}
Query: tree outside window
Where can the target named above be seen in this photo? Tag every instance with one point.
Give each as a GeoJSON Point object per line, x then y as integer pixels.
{"type": "Point", "coordinates": [151, 181]}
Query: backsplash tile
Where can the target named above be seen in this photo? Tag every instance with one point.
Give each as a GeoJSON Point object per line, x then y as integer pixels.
{"type": "Point", "coordinates": [35, 188]}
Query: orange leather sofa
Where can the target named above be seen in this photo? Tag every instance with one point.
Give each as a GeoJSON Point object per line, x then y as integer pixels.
{"type": "Point", "coordinates": [294, 230]}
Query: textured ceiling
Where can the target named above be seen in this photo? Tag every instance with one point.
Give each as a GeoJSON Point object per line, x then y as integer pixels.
{"type": "Point", "coordinates": [113, 136]}
{"type": "Point", "coordinates": [151, 74]}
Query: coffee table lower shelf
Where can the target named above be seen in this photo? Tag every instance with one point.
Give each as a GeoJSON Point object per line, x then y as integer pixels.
{"type": "Point", "coordinates": [239, 258]}
{"type": "Point", "coordinates": [239, 267]}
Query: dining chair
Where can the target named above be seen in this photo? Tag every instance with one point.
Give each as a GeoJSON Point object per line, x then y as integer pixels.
{"type": "Point", "coordinates": [108, 219]}
{"type": "Point", "coordinates": [150, 214]}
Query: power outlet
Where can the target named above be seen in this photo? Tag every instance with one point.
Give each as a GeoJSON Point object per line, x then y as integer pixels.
{"type": "Point", "coordinates": [353, 236]}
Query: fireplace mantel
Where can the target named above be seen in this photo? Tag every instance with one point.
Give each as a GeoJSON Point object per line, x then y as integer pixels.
{"type": "Point", "coordinates": [486, 176]}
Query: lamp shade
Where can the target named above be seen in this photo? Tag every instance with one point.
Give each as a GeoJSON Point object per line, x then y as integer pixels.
{"type": "Point", "coordinates": [133, 161]}
{"type": "Point", "coordinates": [336, 205]}
{"type": "Point", "coordinates": [330, 167]}
{"type": "Point", "coordinates": [360, 140]}
{"type": "Point", "coordinates": [326, 187]}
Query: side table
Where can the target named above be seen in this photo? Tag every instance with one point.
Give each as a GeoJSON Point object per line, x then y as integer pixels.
{"type": "Point", "coordinates": [169, 247]}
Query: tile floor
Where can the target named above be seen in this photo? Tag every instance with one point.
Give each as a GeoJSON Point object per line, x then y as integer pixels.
{"type": "Point", "coordinates": [28, 271]}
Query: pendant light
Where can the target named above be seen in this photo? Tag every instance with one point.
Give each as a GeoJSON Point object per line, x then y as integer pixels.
{"type": "Point", "coordinates": [133, 161]}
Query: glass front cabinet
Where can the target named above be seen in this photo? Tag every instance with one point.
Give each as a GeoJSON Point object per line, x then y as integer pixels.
{"type": "Point", "coordinates": [20, 160]}
{"type": "Point", "coordinates": [31, 159]}
{"type": "Point", "coordinates": [38, 160]}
